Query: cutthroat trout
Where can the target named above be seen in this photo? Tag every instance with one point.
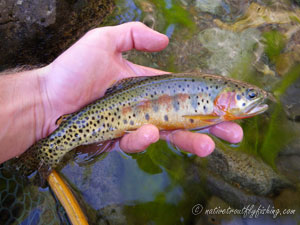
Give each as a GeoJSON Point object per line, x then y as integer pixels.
{"type": "Point", "coordinates": [174, 101]}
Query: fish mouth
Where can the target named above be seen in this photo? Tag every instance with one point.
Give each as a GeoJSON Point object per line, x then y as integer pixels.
{"type": "Point", "coordinates": [256, 107]}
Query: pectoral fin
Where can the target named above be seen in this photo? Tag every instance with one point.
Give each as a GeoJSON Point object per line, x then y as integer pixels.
{"type": "Point", "coordinates": [62, 118]}
{"type": "Point", "coordinates": [210, 118]}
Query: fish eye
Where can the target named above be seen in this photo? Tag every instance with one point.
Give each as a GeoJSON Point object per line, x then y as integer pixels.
{"type": "Point", "coordinates": [251, 94]}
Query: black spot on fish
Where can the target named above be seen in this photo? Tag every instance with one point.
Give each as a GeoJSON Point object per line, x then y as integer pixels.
{"type": "Point", "coordinates": [191, 120]}
{"type": "Point", "coordinates": [131, 123]}
{"type": "Point", "coordinates": [125, 121]}
{"type": "Point", "coordinates": [147, 117]}
{"type": "Point", "coordinates": [166, 118]}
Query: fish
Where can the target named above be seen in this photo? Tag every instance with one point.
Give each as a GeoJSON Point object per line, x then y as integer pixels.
{"type": "Point", "coordinates": [170, 101]}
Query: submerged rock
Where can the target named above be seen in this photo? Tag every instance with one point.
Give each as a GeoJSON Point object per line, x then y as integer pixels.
{"type": "Point", "coordinates": [233, 195]}
{"type": "Point", "coordinates": [288, 158]}
{"type": "Point", "coordinates": [291, 101]}
{"type": "Point", "coordinates": [36, 32]}
{"type": "Point", "coordinates": [245, 171]}
{"type": "Point", "coordinates": [257, 15]}
{"type": "Point", "coordinates": [228, 49]}
{"type": "Point", "coordinates": [210, 6]}
{"type": "Point", "coordinates": [112, 214]}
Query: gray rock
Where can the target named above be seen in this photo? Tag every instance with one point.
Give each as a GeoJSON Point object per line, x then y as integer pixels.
{"type": "Point", "coordinates": [232, 195]}
{"type": "Point", "coordinates": [36, 32]}
{"type": "Point", "coordinates": [289, 166]}
{"type": "Point", "coordinates": [288, 159]}
{"type": "Point", "coordinates": [244, 170]}
{"type": "Point", "coordinates": [291, 101]}
{"type": "Point", "coordinates": [112, 214]}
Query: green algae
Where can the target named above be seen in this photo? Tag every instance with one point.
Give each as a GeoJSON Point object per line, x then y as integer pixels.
{"type": "Point", "coordinates": [174, 13]}
{"type": "Point", "coordinates": [278, 134]}
{"type": "Point", "coordinates": [274, 43]}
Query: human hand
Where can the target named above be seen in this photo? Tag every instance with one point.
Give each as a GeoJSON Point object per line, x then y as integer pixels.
{"type": "Point", "coordinates": [84, 72]}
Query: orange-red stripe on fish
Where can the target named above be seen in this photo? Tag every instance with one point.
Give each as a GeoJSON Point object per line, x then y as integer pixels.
{"type": "Point", "coordinates": [166, 100]}
{"type": "Point", "coordinates": [182, 97]}
{"type": "Point", "coordinates": [126, 110]}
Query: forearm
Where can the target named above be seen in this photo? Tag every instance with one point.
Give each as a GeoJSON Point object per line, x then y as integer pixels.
{"type": "Point", "coordinates": [23, 112]}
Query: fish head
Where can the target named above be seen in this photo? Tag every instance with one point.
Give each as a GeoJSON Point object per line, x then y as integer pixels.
{"type": "Point", "coordinates": [240, 101]}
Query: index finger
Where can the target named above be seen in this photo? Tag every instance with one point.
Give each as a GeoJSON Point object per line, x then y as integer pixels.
{"type": "Point", "coordinates": [199, 144]}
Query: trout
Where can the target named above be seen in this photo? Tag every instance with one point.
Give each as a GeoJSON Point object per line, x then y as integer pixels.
{"type": "Point", "coordinates": [172, 101]}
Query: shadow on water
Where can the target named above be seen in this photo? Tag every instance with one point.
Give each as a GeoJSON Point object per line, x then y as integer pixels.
{"type": "Point", "coordinates": [257, 42]}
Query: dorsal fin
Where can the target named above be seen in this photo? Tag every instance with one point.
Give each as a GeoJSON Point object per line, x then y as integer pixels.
{"type": "Point", "coordinates": [127, 82]}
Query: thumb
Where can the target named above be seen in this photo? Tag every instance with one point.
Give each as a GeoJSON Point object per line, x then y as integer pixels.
{"type": "Point", "coordinates": [136, 35]}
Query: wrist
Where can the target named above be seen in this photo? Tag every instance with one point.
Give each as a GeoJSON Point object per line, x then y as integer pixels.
{"type": "Point", "coordinates": [49, 111]}
{"type": "Point", "coordinates": [26, 115]}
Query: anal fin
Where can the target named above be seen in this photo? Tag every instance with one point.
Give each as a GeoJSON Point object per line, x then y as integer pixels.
{"type": "Point", "coordinates": [209, 118]}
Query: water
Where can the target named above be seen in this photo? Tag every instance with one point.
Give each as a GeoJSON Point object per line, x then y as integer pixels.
{"type": "Point", "coordinates": [257, 42]}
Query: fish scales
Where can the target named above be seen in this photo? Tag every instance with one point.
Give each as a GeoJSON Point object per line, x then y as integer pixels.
{"type": "Point", "coordinates": [166, 101]}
